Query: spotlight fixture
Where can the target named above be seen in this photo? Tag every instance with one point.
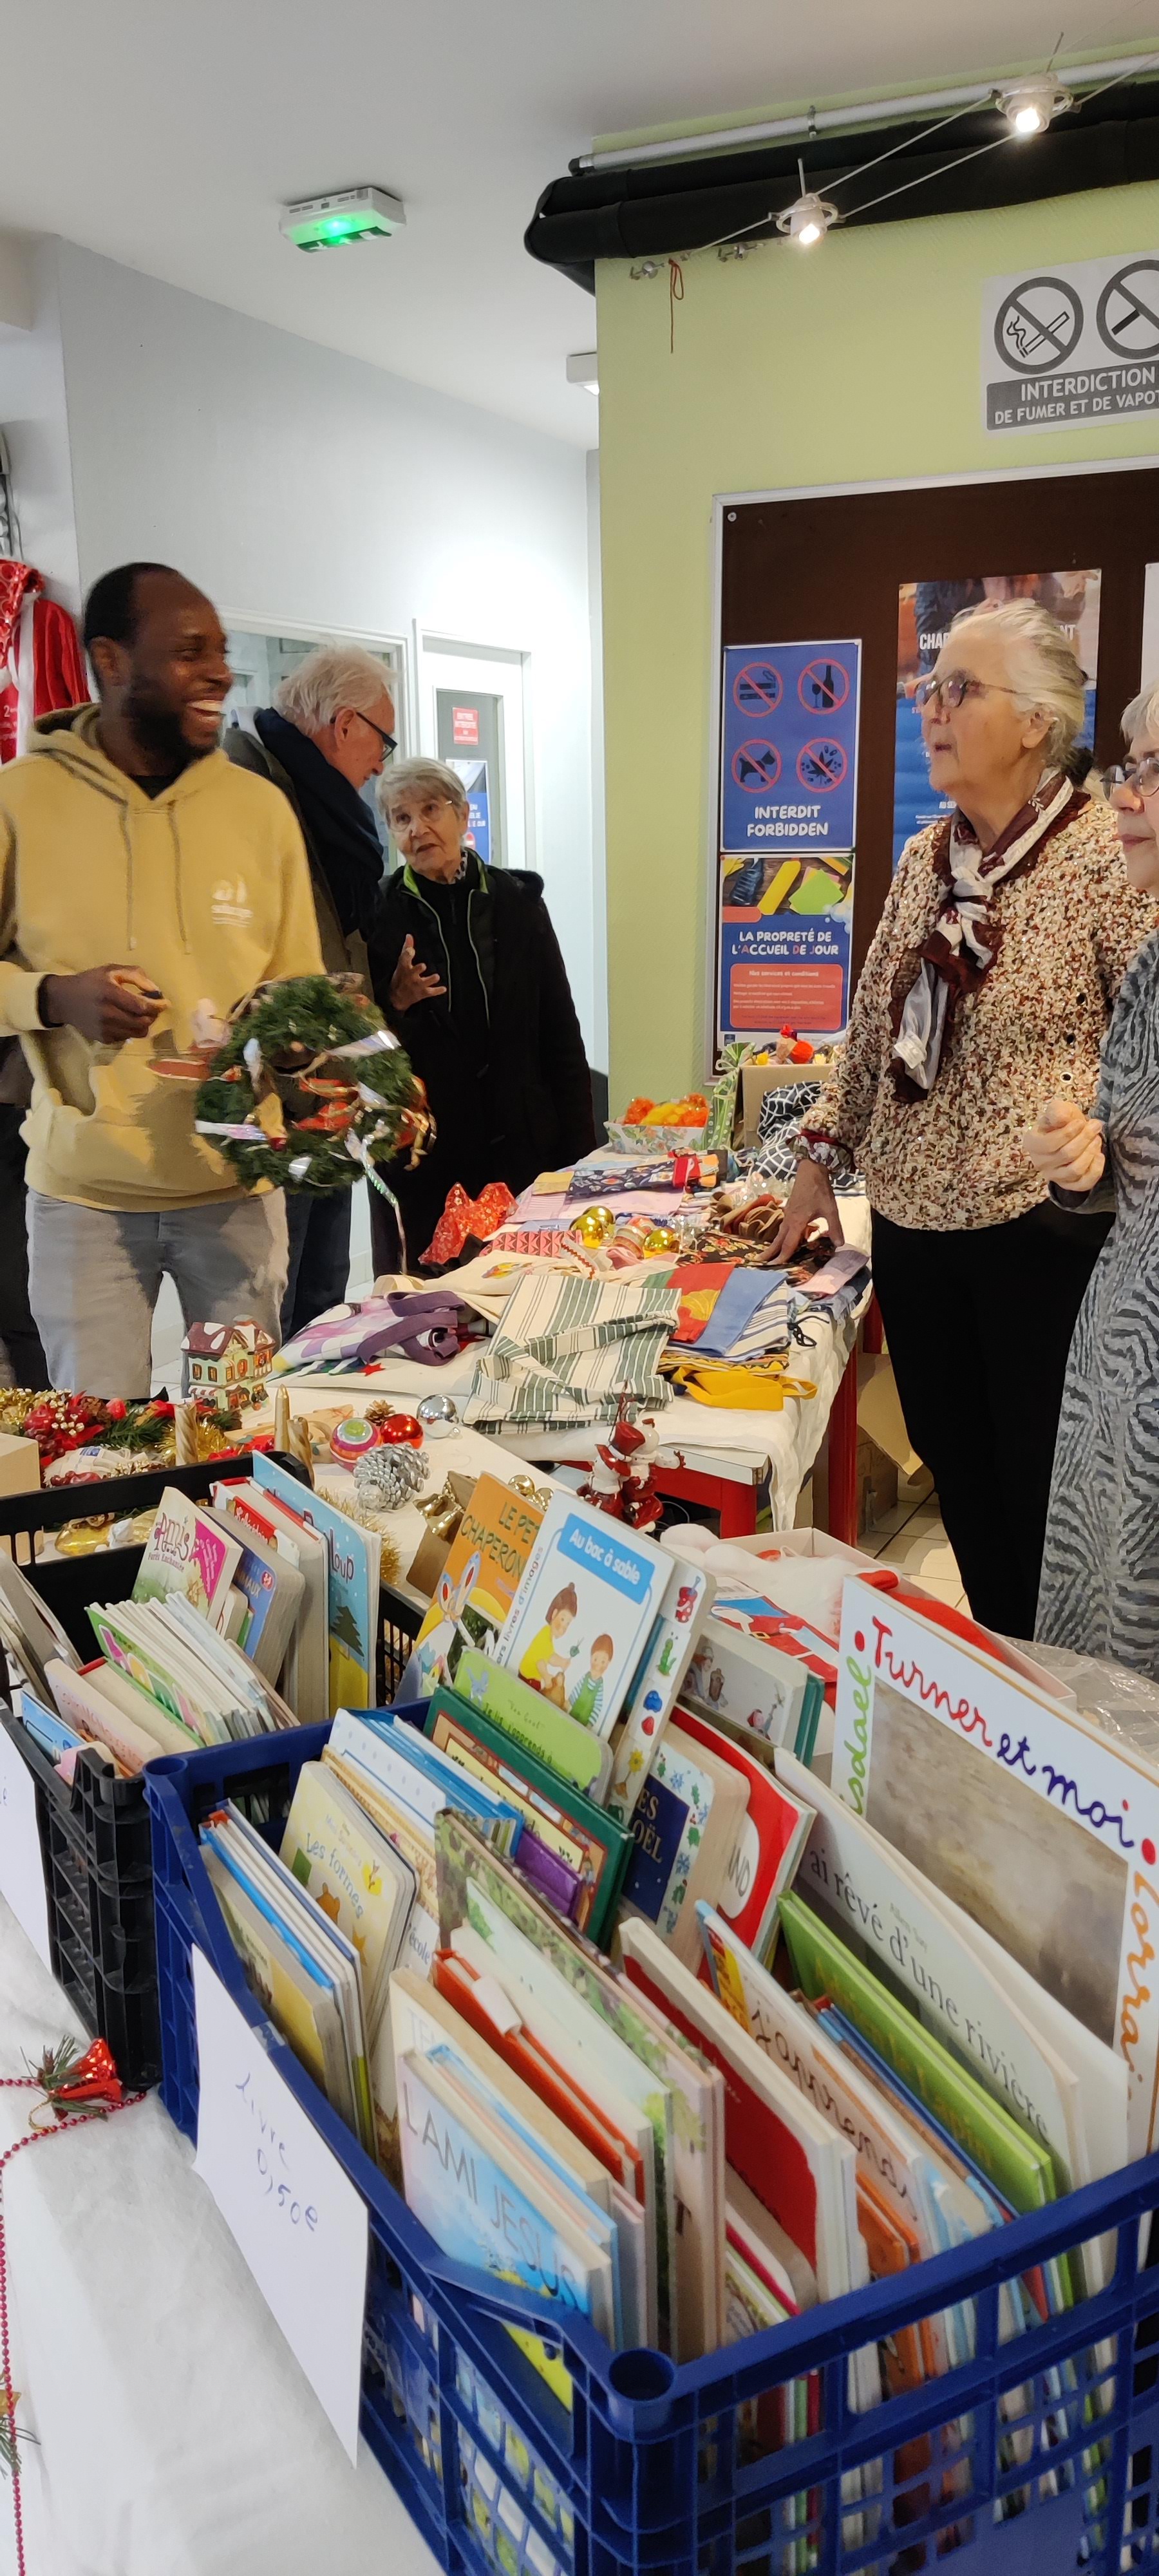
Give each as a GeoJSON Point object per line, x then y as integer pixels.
{"type": "Point", "coordinates": [346, 215]}
{"type": "Point", "coordinates": [1031, 105]}
{"type": "Point", "coordinates": [808, 220]}
{"type": "Point", "coordinates": [584, 369]}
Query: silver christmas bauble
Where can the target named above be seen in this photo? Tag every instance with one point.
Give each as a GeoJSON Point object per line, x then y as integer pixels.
{"type": "Point", "coordinates": [439, 1416]}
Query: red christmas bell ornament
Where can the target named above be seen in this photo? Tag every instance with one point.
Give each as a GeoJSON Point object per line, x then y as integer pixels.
{"type": "Point", "coordinates": [401, 1431]}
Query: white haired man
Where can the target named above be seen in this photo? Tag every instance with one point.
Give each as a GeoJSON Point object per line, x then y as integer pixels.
{"type": "Point", "coordinates": [329, 730]}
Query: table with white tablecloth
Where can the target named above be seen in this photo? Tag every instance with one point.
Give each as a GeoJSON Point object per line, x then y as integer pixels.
{"type": "Point", "coordinates": [174, 2432]}
{"type": "Point", "coordinates": [733, 1447]}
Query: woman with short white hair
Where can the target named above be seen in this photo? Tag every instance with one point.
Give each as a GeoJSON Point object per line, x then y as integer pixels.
{"type": "Point", "coordinates": [988, 989]}
{"type": "Point", "coordinates": [468, 970]}
{"type": "Point", "coordinates": [1100, 1573]}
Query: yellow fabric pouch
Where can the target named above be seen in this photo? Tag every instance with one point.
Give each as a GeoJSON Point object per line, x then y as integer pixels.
{"type": "Point", "coordinates": [760, 1387]}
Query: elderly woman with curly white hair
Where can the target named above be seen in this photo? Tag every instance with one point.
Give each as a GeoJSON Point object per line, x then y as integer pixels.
{"type": "Point", "coordinates": [988, 989]}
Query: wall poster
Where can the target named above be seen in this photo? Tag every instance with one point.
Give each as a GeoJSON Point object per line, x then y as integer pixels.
{"type": "Point", "coordinates": [788, 795]}
{"type": "Point", "coordinates": [925, 612]}
{"type": "Point", "coordinates": [477, 791]}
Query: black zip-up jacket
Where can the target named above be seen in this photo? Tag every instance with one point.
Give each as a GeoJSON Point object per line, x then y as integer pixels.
{"type": "Point", "coordinates": [529, 1107]}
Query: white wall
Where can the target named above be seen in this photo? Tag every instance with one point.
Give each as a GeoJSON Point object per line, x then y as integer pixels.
{"type": "Point", "coordinates": [308, 489]}
{"type": "Point", "coordinates": [34, 420]}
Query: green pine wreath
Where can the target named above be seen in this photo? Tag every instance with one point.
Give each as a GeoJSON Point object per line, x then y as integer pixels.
{"type": "Point", "coordinates": [287, 1039]}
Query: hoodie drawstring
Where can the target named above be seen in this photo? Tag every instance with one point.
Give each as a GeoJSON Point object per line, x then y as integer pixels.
{"type": "Point", "coordinates": [177, 886]}
{"type": "Point", "coordinates": [127, 837]}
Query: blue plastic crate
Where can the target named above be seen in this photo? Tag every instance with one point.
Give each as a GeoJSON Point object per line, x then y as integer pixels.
{"type": "Point", "coordinates": [1038, 2457]}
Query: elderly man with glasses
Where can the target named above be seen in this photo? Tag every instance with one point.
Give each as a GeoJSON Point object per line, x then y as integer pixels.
{"type": "Point", "coordinates": [327, 734]}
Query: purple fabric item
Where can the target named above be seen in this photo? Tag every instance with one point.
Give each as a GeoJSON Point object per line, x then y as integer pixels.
{"type": "Point", "coordinates": [422, 1325]}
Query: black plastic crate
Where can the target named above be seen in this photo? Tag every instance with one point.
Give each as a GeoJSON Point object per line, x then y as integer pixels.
{"type": "Point", "coordinates": [94, 1833]}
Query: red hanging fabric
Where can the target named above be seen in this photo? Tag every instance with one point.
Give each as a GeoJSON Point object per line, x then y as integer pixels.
{"type": "Point", "coordinates": [30, 623]}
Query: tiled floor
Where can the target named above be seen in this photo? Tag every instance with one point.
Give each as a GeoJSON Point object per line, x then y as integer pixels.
{"type": "Point", "coordinates": [913, 1537]}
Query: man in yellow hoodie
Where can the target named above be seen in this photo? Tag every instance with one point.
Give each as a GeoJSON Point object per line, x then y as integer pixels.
{"type": "Point", "coordinates": [142, 879]}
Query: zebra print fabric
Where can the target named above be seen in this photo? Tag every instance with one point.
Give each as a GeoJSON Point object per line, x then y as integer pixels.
{"type": "Point", "coordinates": [1100, 1576]}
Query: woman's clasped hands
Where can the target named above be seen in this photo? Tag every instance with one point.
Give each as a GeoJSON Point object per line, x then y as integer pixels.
{"type": "Point", "coordinates": [1066, 1147]}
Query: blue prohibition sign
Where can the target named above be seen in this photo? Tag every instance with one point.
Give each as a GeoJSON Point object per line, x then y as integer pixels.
{"type": "Point", "coordinates": [756, 766]}
{"type": "Point", "coordinates": [821, 765]}
{"type": "Point", "coordinates": [756, 689]}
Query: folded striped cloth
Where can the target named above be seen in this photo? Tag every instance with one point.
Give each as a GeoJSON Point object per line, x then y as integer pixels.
{"type": "Point", "coordinates": [565, 1348]}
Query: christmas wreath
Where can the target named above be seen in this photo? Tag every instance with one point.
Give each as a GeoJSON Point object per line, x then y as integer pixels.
{"type": "Point", "coordinates": [310, 1088]}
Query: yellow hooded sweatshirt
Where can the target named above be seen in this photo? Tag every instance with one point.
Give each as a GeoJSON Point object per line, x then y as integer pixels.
{"type": "Point", "coordinates": [205, 888]}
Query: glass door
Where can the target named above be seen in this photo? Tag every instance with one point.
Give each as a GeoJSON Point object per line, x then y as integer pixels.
{"type": "Point", "coordinates": [474, 707]}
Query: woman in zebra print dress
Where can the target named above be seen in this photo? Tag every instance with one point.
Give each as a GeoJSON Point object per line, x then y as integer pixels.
{"type": "Point", "coordinates": [1100, 1577]}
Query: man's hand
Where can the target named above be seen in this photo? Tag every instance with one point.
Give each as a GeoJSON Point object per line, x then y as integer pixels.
{"type": "Point", "coordinates": [410, 982]}
{"type": "Point", "coordinates": [107, 1004]}
{"type": "Point", "coordinates": [811, 1197]}
{"type": "Point", "coordinates": [1065, 1147]}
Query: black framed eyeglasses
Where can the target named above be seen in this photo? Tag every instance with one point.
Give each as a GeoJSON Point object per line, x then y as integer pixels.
{"type": "Point", "coordinates": [957, 686]}
{"type": "Point", "coordinates": [388, 740]}
{"type": "Point", "coordinates": [1141, 776]}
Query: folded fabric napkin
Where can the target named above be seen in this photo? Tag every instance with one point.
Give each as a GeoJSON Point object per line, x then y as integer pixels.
{"type": "Point", "coordinates": [565, 1349]}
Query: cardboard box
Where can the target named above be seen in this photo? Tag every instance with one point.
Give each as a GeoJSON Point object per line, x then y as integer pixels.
{"type": "Point", "coordinates": [19, 1465]}
{"type": "Point", "coordinates": [876, 1484]}
{"type": "Point", "coordinates": [756, 1079]}
{"type": "Point", "coordinates": [879, 1413]}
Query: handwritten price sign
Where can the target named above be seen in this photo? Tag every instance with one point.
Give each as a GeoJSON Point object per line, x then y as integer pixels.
{"type": "Point", "coordinates": [292, 2211]}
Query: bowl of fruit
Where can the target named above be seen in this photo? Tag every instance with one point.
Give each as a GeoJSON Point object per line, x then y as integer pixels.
{"type": "Point", "coordinates": [652, 1128]}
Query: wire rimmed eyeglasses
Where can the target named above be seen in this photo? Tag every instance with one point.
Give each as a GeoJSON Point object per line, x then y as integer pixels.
{"type": "Point", "coordinates": [1141, 776]}
{"type": "Point", "coordinates": [956, 686]}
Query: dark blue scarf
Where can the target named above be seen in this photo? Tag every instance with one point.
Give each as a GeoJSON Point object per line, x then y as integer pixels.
{"type": "Point", "coordinates": [338, 825]}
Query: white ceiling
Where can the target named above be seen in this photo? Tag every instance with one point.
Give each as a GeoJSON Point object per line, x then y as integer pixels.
{"type": "Point", "coordinates": [168, 135]}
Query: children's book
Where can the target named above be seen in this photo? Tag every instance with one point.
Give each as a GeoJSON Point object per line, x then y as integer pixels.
{"type": "Point", "coordinates": [486, 2202]}
{"type": "Point", "coordinates": [789, 2156]}
{"type": "Point", "coordinates": [656, 1686]}
{"type": "Point", "coordinates": [318, 1942]}
{"type": "Point", "coordinates": [575, 1751]}
{"type": "Point", "coordinates": [86, 1706]}
{"type": "Point", "coordinates": [30, 1633]}
{"type": "Point", "coordinates": [684, 1830]}
{"type": "Point", "coordinates": [1048, 2071]}
{"type": "Point", "coordinates": [472, 1601]}
{"type": "Point", "coordinates": [756, 1686]}
{"type": "Point", "coordinates": [270, 1590]}
{"type": "Point", "coordinates": [299, 2000]}
{"type": "Point", "coordinates": [582, 1616]}
{"type": "Point", "coordinates": [681, 2095]}
{"type": "Point", "coordinates": [306, 1669]}
{"type": "Point", "coordinates": [765, 2245]}
{"type": "Point", "coordinates": [352, 1589]}
{"type": "Point", "coordinates": [770, 1839]}
{"type": "Point", "coordinates": [188, 1552]}
{"type": "Point", "coordinates": [1020, 2167]}
{"type": "Point", "coordinates": [1034, 1821]}
{"type": "Point", "coordinates": [482, 2004]}
{"type": "Point", "coordinates": [353, 1873]}
{"type": "Point", "coordinates": [594, 1851]}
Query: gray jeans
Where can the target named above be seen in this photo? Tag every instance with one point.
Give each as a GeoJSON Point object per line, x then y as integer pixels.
{"type": "Point", "coordinates": [95, 1276]}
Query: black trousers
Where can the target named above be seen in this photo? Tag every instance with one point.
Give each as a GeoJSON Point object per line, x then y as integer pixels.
{"type": "Point", "coordinates": [319, 1237]}
{"type": "Point", "coordinates": [17, 1330]}
{"type": "Point", "coordinates": [979, 1325]}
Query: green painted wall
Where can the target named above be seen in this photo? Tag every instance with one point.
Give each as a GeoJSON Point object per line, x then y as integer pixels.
{"type": "Point", "coordinates": [856, 362]}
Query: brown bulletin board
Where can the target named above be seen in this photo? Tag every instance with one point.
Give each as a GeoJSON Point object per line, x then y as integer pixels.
{"type": "Point", "coordinates": [833, 565]}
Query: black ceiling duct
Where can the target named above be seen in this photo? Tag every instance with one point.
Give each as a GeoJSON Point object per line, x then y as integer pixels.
{"type": "Point", "coordinates": [674, 206]}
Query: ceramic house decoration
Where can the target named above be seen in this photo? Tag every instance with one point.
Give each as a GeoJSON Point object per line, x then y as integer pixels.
{"type": "Point", "coordinates": [229, 1362]}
